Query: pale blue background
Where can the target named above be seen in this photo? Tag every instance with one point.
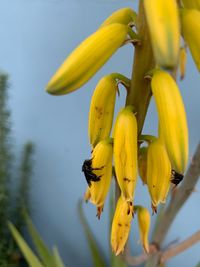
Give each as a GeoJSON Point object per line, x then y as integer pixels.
{"type": "Point", "coordinates": [35, 37]}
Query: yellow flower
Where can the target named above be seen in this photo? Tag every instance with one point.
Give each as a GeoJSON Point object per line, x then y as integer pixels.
{"type": "Point", "coordinates": [121, 225]}
{"type": "Point", "coordinates": [144, 221]}
{"type": "Point", "coordinates": [87, 59]}
{"type": "Point", "coordinates": [163, 23]}
{"type": "Point", "coordinates": [190, 22]}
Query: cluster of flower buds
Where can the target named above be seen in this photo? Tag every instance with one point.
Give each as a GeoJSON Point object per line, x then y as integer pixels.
{"type": "Point", "coordinates": [86, 59]}
{"type": "Point", "coordinates": [164, 159]}
{"type": "Point", "coordinates": [165, 21]}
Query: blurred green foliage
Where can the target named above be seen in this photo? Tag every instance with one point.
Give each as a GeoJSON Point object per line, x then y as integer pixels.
{"type": "Point", "coordinates": [46, 258]}
{"type": "Point", "coordinates": [98, 257]}
{"type": "Point", "coordinates": [13, 201]}
{"type": "Point", "coordinates": [15, 205]}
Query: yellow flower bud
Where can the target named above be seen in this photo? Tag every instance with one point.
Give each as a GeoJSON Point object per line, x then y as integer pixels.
{"type": "Point", "coordinates": [193, 4]}
{"type": "Point", "coordinates": [190, 22]}
{"type": "Point", "coordinates": [125, 152]}
{"type": "Point", "coordinates": [102, 109]}
{"type": "Point", "coordinates": [124, 16]}
{"type": "Point", "coordinates": [142, 164]}
{"type": "Point", "coordinates": [163, 23]}
{"type": "Point", "coordinates": [182, 62]}
{"type": "Point", "coordinates": [87, 59]}
{"type": "Point", "coordinates": [158, 172]}
{"type": "Point", "coordinates": [121, 225]}
{"type": "Point", "coordinates": [172, 119]}
{"type": "Point", "coordinates": [144, 221]}
{"type": "Point", "coordinates": [102, 168]}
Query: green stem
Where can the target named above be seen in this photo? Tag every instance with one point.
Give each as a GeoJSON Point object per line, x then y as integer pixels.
{"type": "Point", "coordinates": [121, 78]}
{"type": "Point", "coordinates": [134, 36]}
{"type": "Point", "coordinates": [147, 138]}
{"type": "Point", "coordinates": [139, 94]}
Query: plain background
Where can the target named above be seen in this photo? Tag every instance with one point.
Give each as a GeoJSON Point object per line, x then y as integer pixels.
{"type": "Point", "coordinates": [36, 36]}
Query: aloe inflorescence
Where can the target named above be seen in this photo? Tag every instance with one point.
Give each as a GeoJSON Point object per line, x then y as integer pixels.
{"type": "Point", "coordinates": [119, 149]}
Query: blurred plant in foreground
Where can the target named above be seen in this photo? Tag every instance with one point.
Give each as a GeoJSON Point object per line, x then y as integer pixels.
{"type": "Point", "coordinates": [98, 256]}
{"type": "Point", "coordinates": [12, 202]}
{"type": "Point", "coordinates": [46, 257]}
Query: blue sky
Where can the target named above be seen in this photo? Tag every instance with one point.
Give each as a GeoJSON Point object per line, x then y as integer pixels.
{"type": "Point", "coordinates": [36, 36]}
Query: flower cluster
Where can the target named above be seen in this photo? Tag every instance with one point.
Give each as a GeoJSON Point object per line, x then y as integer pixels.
{"type": "Point", "coordinates": [160, 160]}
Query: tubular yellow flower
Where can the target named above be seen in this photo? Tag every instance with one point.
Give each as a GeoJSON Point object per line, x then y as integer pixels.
{"type": "Point", "coordinates": [182, 62]}
{"type": "Point", "coordinates": [144, 221]}
{"type": "Point", "coordinates": [172, 119]}
{"type": "Point", "coordinates": [87, 59]}
{"type": "Point", "coordinates": [190, 22]}
{"type": "Point", "coordinates": [163, 23]}
{"type": "Point", "coordinates": [125, 152]}
{"type": "Point", "coordinates": [142, 164]}
{"type": "Point", "coordinates": [193, 4]}
{"type": "Point", "coordinates": [102, 168]}
{"type": "Point", "coordinates": [102, 109]}
{"type": "Point", "coordinates": [158, 172]}
{"type": "Point", "coordinates": [121, 225]}
{"type": "Point", "coordinates": [124, 16]}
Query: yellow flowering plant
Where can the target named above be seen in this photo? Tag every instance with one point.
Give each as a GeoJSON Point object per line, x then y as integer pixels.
{"type": "Point", "coordinates": [160, 33]}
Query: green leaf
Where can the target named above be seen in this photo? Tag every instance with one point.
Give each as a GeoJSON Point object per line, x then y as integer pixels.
{"type": "Point", "coordinates": [40, 246]}
{"type": "Point", "coordinates": [31, 258]}
{"type": "Point", "coordinates": [57, 259]}
{"type": "Point", "coordinates": [94, 247]}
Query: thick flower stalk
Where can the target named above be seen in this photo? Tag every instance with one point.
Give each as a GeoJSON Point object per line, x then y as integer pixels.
{"type": "Point", "coordinates": [163, 22]}
{"type": "Point", "coordinates": [125, 152]}
{"type": "Point", "coordinates": [102, 168]}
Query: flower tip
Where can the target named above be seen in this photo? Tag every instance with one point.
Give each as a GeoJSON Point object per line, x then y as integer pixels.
{"type": "Point", "coordinates": [146, 247]}
{"type": "Point", "coordinates": [118, 250]}
{"type": "Point", "coordinates": [154, 208]}
{"type": "Point", "coordinates": [87, 195]}
{"type": "Point", "coordinates": [51, 89]}
{"type": "Point", "coordinates": [99, 211]}
{"type": "Point", "coordinates": [117, 247]}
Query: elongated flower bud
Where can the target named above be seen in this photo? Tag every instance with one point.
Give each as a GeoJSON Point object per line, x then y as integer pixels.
{"type": "Point", "coordinates": [158, 172]}
{"type": "Point", "coordinates": [163, 23]}
{"type": "Point", "coordinates": [142, 164]}
{"type": "Point", "coordinates": [190, 22]}
{"type": "Point", "coordinates": [144, 221]}
{"type": "Point", "coordinates": [87, 59]}
{"type": "Point", "coordinates": [121, 225]}
{"type": "Point", "coordinates": [102, 168]}
{"type": "Point", "coordinates": [172, 119]}
{"type": "Point", "coordinates": [182, 62]}
{"type": "Point", "coordinates": [102, 109]}
{"type": "Point", "coordinates": [193, 4]}
{"type": "Point", "coordinates": [124, 16]}
{"type": "Point", "coordinates": [125, 152]}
